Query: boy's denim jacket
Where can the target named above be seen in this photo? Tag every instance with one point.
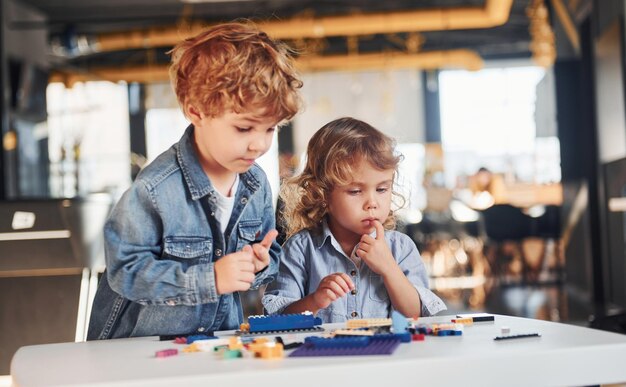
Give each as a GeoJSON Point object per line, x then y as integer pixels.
{"type": "Point", "coordinates": [161, 242]}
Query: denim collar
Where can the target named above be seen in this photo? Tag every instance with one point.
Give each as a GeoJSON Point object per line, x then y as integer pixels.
{"type": "Point", "coordinates": [197, 181]}
{"type": "Point", "coordinates": [323, 234]}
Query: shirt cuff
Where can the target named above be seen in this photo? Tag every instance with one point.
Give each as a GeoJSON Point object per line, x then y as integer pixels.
{"type": "Point", "coordinates": [207, 290]}
{"type": "Point", "coordinates": [276, 304]}
{"type": "Point", "coordinates": [431, 304]}
{"type": "Point", "coordinates": [264, 276]}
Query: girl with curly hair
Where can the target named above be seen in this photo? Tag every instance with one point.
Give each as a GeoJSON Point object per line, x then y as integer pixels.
{"type": "Point", "coordinates": [342, 259]}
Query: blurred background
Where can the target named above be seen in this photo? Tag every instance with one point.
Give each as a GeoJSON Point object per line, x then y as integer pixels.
{"type": "Point", "coordinates": [510, 115]}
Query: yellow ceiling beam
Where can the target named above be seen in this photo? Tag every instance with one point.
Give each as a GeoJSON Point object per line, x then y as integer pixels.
{"type": "Point", "coordinates": [431, 60]}
{"type": "Point", "coordinates": [460, 59]}
{"type": "Point", "coordinates": [493, 13]}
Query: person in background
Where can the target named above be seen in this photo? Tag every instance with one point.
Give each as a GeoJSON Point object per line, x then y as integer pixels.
{"type": "Point", "coordinates": [342, 259]}
{"type": "Point", "coordinates": [197, 225]}
{"type": "Point", "coordinates": [486, 189]}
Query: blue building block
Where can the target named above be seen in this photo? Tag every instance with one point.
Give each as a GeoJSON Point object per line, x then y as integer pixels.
{"type": "Point", "coordinates": [338, 342]}
{"type": "Point", "coordinates": [404, 337]}
{"type": "Point", "coordinates": [283, 322]}
{"type": "Point", "coordinates": [399, 323]}
{"type": "Point", "coordinates": [192, 338]}
{"type": "Point", "coordinates": [376, 346]}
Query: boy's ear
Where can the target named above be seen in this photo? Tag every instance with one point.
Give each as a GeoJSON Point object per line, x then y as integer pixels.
{"type": "Point", "coordinates": [194, 114]}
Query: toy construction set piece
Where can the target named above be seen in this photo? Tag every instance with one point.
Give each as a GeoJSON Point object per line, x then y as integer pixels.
{"type": "Point", "coordinates": [368, 322]}
{"type": "Point", "coordinates": [166, 352]}
{"type": "Point", "coordinates": [283, 323]}
{"type": "Point", "coordinates": [194, 336]}
{"type": "Point", "coordinates": [446, 329]}
{"type": "Point", "coordinates": [259, 347]}
{"type": "Point", "coordinates": [477, 317]}
{"type": "Point", "coordinates": [519, 336]}
{"type": "Point", "coordinates": [348, 346]}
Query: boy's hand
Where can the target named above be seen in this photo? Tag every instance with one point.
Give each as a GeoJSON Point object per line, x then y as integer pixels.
{"type": "Point", "coordinates": [331, 288]}
{"type": "Point", "coordinates": [262, 251]}
{"type": "Point", "coordinates": [234, 272]}
{"type": "Point", "coordinates": [375, 252]}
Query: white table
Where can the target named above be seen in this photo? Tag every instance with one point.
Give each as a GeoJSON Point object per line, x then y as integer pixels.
{"type": "Point", "coordinates": [563, 355]}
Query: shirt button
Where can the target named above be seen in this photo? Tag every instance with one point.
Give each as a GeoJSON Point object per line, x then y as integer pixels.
{"type": "Point", "coordinates": [170, 302]}
{"type": "Point", "coordinates": [244, 200]}
{"type": "Point", "coordinates": [200, 329]}
{"type": "Point", "coordinates": [353, 291]}
{"type": "Point", "coordinates": [212, 213]}
{"type": "Point", "coordinates": [354, 314]}
{"type": "Point", "coordinates": [353, 273]}
{"type": "Point", "coordinates": [218, 252]}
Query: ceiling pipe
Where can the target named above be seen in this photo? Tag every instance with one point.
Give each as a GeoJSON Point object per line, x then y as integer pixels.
{"type": "Point", "coordinates": [431, 60]}
{"type": "Point", "coordinates": [464, 59]}
{"type": "Point", "coordinates": [492, 14]}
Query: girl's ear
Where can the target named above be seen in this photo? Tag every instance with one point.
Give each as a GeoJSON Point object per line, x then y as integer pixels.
{"type": "Point", "coordinates": [195, 116]}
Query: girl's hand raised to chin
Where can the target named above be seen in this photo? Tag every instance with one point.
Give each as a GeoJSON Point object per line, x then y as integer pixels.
{"type": "Point", "coordinates": [262, 251]}
{"type": "Point", "coordinates": [376, 253]}
{"type": "Point", "coordinates": [331, 288]}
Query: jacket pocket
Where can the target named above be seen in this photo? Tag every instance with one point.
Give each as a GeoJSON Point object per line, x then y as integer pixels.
{"type": "Point", "coordinates": [249, 231]}
{"type": "Point", "coordinates": [377, 290]}
{"type": "Point", "coordinates": [188, 249]}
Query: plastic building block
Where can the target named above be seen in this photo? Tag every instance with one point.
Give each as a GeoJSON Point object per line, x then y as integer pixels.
{"type": "Point", "coordinates": [235, 343]}
{"type": "Point", "coordinates": [418, 337]}
{"type": "Point", "coordinates": [281, 323]}
{"type": "Point", "coordinates": [257, 345]}
{"type": "Point", "coordinates": [404, 337]}
{"type": "Point", "coordinates": [338, 342]}
{"type": "Point", "coordinates": [192, 338]}
{"type": "Point", "coordinates": [190, 348]}
{"type": "Point", "coordinates": [315, 329]}
{"type": "Point", "coordinates": [293, 345]}
{"type": "Point", "coordinates": [424, 329]}
{"type": "Point", "coordinates": [521, 336]}
{"type": "Point", "coordinates": [353, 332]}
{"type": "Point", "coordinates": [447, 329]}
{"type": "Point", "coordinates": [271, 351]}
{"type": "Point", "coordinates": [166, 353]}
{"type": "Point", "coordinates": [231, 353]}
{"type": "Point", "coordinates": [266, 349]}
{"type": "Point", "coordinates": [399, 323]}
{"type": "Point", "coordinates": [375, 347]}
{"type": "Point", "coordinates": [464, 321]}
{"type": "Point", "coordinates": [369, 322]}
{"type": "Point", "coordinates": [478, 317]}
{"type": "Point", "coordinates": [207, 345]}
{"type": "Point", "coordinates": [174, 337]}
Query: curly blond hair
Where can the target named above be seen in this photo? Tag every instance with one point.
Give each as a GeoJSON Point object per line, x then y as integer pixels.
{"type": "Point", "coordinates": [235, 66]}
{"type": "Point", "coordinates": [332, 153]}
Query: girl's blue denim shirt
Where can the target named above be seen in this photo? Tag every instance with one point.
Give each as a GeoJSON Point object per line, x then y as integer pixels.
{"type": "Point", "coordinates": [161, 242]}
{"type": "Point", "coordinates": [311, 255]}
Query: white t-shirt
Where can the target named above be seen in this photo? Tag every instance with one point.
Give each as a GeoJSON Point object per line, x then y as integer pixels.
{"type": "Point", "coordinates": [225, 205]}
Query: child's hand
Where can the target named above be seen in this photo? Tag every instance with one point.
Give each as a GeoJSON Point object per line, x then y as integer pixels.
{"type": "Point", "coordinates": [235, 272]}
{"type": "Point", "coordinates": [375, 252]}
{"type": "Point", "coordinates": [331, 288]}
{"type": "Point", "coordinates": [262, 251]}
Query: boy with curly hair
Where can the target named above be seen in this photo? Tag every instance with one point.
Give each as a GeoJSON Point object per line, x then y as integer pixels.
{"type": "Point", "coordinates": [197, 225]}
